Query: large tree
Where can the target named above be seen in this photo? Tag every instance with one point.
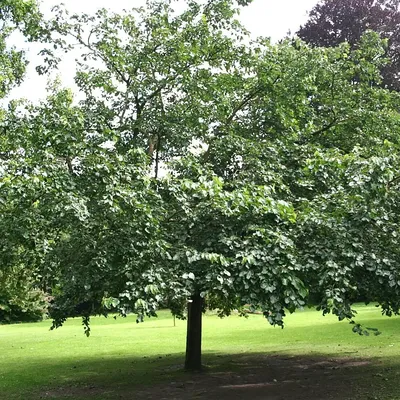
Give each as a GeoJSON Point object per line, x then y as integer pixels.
{"type": "Point", "coordinates": [258, 216]}
{"type": "Point", "coordinates": [335, 21]}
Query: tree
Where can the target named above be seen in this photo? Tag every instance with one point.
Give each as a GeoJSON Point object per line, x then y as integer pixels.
{"type": "Point", "coordinates": [335, 21]}
{"type": "Point", "coordinates": [16, 15]}
{"type": "Point", "coordinates": [19, 298]}
{"type": "Point", "coordinates": [242, 223]}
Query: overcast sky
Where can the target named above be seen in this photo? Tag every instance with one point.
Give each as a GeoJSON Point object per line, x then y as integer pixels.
{"type": "Point", "coordinates": [270, 18]}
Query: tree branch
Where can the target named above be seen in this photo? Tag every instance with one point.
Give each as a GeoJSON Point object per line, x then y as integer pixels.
{"type": "Point", "coordinates": [242, 104]}
{"type": "Point", "coordinates": [325, 128]}
{"type": "Point", "coordinates": [69, 165]}
{"type": "Point", "coordinates": [89, 46]}
{"type": "Point", "coordinates": [246, 101]}
{"type": "Point", "coordinates": [392, 182]}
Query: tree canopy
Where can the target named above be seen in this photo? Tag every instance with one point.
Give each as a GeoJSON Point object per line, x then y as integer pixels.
{"type": "Point", "coordinates": [278, 186]}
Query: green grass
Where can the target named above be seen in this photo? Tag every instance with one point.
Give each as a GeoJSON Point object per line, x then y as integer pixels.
{"type": "Point", "coordinates": [121, 353]}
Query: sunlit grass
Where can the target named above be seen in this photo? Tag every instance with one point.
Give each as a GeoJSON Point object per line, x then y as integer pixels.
{"type": "Point", "coordinates": [121, 352]}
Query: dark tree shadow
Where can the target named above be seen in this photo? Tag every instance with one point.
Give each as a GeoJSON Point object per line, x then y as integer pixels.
{"type": "Point", "coordinates": [269, 376]}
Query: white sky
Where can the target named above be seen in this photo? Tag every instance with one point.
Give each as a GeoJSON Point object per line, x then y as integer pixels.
{"type": "Point", "coordinates": [268, 18]}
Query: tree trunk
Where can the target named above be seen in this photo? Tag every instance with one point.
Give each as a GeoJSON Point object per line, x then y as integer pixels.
{"type": "Point", "coordinates": [193, 335]}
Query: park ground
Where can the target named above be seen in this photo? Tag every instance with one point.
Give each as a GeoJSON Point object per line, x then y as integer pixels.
{"type": "Point", "coordinates": [314, 357]}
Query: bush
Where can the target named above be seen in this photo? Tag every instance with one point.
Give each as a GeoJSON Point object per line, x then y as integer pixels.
{"type": "Point", "coordinates": [20, 301]}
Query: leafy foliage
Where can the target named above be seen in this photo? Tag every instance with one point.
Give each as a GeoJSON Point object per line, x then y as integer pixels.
{"type": "Point", "coordinates": [20, 299]}
{"type": "Point", "coordinates": [22, 15]}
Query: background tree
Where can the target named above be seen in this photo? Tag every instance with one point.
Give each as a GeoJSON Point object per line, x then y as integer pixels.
{"type": "Point", "coordinates": [334, 21]}
{"type": "Point", "coordinates": [22, 15]}
{"type": "Point", "coordinates": [20, 298]}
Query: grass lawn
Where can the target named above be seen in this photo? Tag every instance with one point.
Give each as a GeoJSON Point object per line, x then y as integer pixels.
{"type": "Point", "coordinates": [122, 355]}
